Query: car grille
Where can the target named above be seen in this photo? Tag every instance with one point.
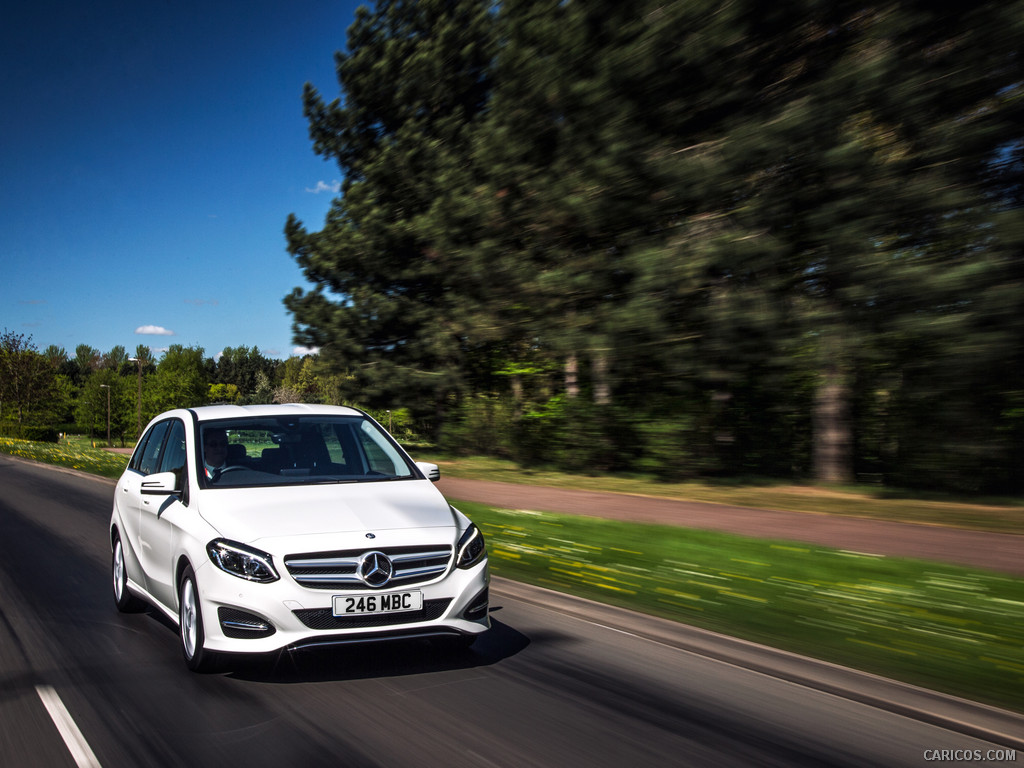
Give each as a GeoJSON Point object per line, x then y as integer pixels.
{"type": "Point", "coordinates": [323, 618]}
{"type": "Point", "coordinates": [337, 570]}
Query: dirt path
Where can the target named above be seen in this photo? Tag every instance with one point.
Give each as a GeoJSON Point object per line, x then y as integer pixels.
{"type": "Point", "coordinates": [995, 551]}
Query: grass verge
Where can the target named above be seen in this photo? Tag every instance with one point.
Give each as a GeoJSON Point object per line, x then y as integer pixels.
{"type": "Point", "coordinates": [940, 626]}
{"type": "Point", "coordinates": [76, 454]}
{"type": "Point", "coordinates": [875, 502]}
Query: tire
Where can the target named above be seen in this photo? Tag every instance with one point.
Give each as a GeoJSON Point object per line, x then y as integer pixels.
{"type": "Point", "coordinates": [190, 625]}
{"type": "Point", "coordinates": [125, 601]}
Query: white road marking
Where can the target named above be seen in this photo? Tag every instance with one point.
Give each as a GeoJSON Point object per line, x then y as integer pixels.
{"type": "Point", "coordinates": [73, 738]}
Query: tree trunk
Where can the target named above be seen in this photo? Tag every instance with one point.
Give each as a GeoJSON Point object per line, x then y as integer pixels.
{"type": "Point", "coordinates": [833, 438]}
{"type": "Point", "coordinates": [599, 370]}
{"type": "Point", "coordinates": [516, 384]}
{"type": "Point", "coordinates": [572, 376]}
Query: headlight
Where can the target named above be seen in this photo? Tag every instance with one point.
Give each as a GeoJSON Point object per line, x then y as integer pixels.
{"type": "Point", "coordinates": [471, 548]}
{"type": "Point", "coordinates": [242, 561]}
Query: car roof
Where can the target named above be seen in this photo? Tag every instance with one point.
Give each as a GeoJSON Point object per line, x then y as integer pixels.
{"type": "Point", "coordinates": [217, 412]}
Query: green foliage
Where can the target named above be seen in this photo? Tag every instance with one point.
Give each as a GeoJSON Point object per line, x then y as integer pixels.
{"type": "Point", "coordinates": [248, 371]}
{"type": "Point", "coordinates": [180, 381]}
{"type": "Point", "coordinates": [224, 393]}
{"type": "Point", "coordinates": [29, 393]}
{"type": "Point", "coordinates": [74, 454]}
{"type": "Point", "coordinates": [664, 450]}
{"type": "Point", "coordinates": [300, 382]}
{"type": "Point", "coordinates": [399, 422]}
{"type": "Point", "coordinates": [390, 311]}
{"type": "Point", "coordinates": [41, 434]}
{"type": "Point", "coordinates": [690, 238]}
{"type": "Point", "coordinates": [107, 395]}
{"type": "Point", "coordinates": [87, 359]}
{"type": "Point", "coordinates": [479, 425]}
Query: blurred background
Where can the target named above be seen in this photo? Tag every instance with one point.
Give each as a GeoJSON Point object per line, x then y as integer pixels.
{"type": "Point", "coordinates": [686, 239]}
{"type": "Point", "coordinates": [690, 238]}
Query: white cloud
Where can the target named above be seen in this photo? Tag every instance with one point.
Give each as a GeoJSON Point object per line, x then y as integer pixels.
{"type": "Point", "coordinates": [323, 186]}
{"type": "Point", "coordinates": [152, 330]}
{"type": "Point", "coordinates": [300, 351]}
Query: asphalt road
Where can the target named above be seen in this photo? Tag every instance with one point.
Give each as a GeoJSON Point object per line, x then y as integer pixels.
{"type": "Point", "coordinates": [554, 684]}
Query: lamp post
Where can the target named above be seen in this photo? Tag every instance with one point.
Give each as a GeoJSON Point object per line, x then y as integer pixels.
{"type": "Point", "coordinates": [138, 432]}
{"type": "Point", "coordinates": [107, 387]}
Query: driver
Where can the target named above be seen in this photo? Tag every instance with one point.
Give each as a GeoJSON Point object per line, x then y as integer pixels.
{"type": "Point", "coordinates": [215, 452]}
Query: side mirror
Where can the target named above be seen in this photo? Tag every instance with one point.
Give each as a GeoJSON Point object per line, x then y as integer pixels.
{"type": "Point", "coordinates": [430, 470]}
{"type": "Point", "coordinates": [160, 484]}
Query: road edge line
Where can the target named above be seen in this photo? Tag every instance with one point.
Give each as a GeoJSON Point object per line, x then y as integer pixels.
{"type": "Point", "coordinates": [970, 718]}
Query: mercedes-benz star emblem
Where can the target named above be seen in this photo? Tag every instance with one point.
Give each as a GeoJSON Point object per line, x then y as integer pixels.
{"type": "Point", "coordinates": [375, 569]}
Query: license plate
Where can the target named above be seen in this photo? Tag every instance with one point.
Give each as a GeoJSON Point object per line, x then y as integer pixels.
{"type": "Point", "coordinates": [385, 602]}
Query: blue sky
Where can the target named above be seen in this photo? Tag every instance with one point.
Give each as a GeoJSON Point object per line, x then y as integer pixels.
{"type": "Point", "coordinates": [150, 154]}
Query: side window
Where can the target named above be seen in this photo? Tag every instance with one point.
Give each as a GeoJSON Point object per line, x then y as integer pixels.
{"type": "Point", "coordinates": [153, 451]}
{"type": "Point", "coordinates": [173, 459]}
{"type": "Point", "coordinates": [140, 448]}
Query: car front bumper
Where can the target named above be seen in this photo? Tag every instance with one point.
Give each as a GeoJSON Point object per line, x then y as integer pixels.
{"type": "Point", "coordinates": [249, 617]}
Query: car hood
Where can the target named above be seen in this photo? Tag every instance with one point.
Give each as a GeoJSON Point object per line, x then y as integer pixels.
{"type": "Point", "coordinates": [250, 515]}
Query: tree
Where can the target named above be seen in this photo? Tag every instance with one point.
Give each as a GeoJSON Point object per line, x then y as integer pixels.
{"type": "Point", "coordinates": [63, 402]}
{"type": "Point", "coordinates": [241, 367]}
{"type": "Point", "coordinates": [223, 393]}
{"type": "Point", "coordinates": [264, 391]}
{"type": "Point", "coordinates": [393, 302]}
{"type": "Point", "coordinates": [27, 378]}
{"type": "Point", "coordinates": [841, 217]}
{"type": "Point", "coordinates": [180, 381]}
{"type": "Point", "coordinates": [87, 360]}
{"type": "Point", "coordinates": [115, 358]}
{"type": "Point", "coordinates": [106, 394]}
{"type": "Point", "coordinates": [790, 232]}
{"type": "Point", "coordinates": [145, 355]}
{"type": "Point", "coordinates": [575, 167]}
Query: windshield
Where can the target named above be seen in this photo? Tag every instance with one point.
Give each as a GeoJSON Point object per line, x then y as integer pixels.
{"type": "Point", "coordinates": [291, 450]}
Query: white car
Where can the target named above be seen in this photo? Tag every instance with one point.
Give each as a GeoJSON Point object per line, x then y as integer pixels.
{"type": "Point", "coordinates": [258, 529]}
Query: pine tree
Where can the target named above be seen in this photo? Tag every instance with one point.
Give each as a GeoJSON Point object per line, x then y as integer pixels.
{"type": "Point", "coordinates": [841, 220]}
{"type": "Point", "coordinates": [574, 175]}
{"type": "Point", "coordinates": [394, 298]}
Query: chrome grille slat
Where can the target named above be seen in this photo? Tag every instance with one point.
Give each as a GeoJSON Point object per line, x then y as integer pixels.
{"type": "Point", "coordinates": [422, 556]}
{"type": "Point", "coordinates": [413, 572]}
{"type": "Point", "coordinates": [325, 578]}
{"type": "Point", "coordinates": [337, 570]}
{"type": "Point", "coordinates": [341, 562]}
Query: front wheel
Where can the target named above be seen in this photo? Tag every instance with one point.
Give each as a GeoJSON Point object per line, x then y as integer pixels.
{"type": "Point", "coordinates": [190, 625]}
{"type": "Point", "coordinates": [125, 601]}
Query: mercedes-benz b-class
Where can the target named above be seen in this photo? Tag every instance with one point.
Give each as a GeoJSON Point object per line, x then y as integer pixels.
{"type": "Point", "coordinates": [258, 529]}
